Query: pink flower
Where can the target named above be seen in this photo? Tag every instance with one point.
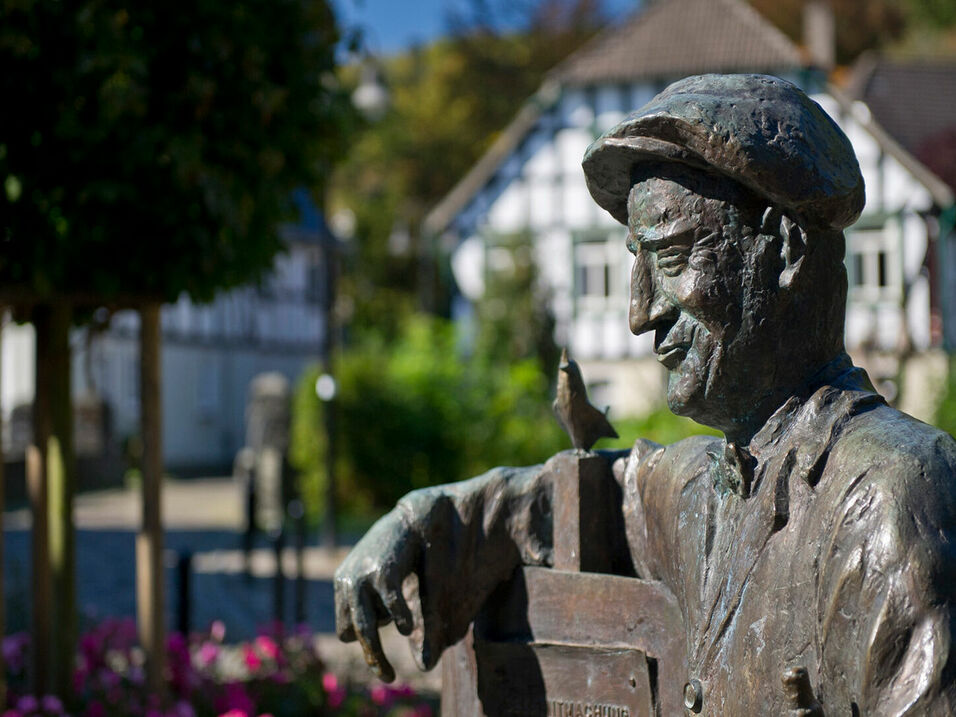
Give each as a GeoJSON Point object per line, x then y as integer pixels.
{"type": "Point", "coordinates": [14, 649]}
{"type": "Point", "coordinates": [251, 658]}
{"type": "Point", "coordinates": [182, 709]}
{"type": "Point", "coordinates": [380, 695]}
{"type": "Point", "coordinates": [335, 691]}
{"type": "Point", "coordinates": [402, 691]}
{"type": "Point", "coordinates": [27, 703]}
{"type": "Point", "coordinates": [217, 631]}
{"type": "Point", "coordinates": [268, 647]}
{"type": "Point", "coordinates": [79, 679]}
{"type": "Point", "coordinates": [208, 653]}
{"type": "Point", "coordinates": [234, 713]}
{"type": "Point", "coordinates": [234, 698]}
{"type": "Point", "coordinates": [51, 703]}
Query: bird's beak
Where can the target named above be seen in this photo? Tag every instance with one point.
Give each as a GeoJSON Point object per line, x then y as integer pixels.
{"type": "Point", "coordinates": [565, 363]}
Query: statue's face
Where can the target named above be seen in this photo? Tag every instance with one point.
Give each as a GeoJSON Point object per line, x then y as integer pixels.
{"type": "Point", "coordinates": [697, 283]}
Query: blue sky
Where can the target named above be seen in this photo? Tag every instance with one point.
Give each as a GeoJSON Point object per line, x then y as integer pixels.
{"type": "Point", "coordinates": [393, 25]}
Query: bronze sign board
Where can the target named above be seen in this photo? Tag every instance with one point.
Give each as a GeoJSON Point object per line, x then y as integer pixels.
{"type": "Point", "coordinates": [564, 643]}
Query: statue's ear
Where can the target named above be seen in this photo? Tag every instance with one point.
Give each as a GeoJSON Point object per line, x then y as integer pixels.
{"type": "Point", "coordinates": [793, 242]}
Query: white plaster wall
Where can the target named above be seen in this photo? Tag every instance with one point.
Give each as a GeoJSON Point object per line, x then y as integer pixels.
{"type": "Point", "coordinates": [608, 107]}
{"type": "Point", "coordinates": [17, 371]}
{"type": "Point", "coordinates": [574, 110]}
{"type": "Point", "coordinates": [628, 388]}
{"type": "Point", "coordinates": [509, 213]}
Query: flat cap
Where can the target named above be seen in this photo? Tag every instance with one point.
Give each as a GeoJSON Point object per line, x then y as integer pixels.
{"type": "Point", "coordinates": [761, 131]}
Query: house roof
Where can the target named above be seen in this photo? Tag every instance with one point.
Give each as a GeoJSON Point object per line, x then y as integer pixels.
{"type": "Point", "coordinates": [941, 193]}
{"type": "Point", "coordinates": [665, 40]}
{"type": "Point", "coordinates": [912, 99]}
{"type": "Point", "coordinates": [682, 37]}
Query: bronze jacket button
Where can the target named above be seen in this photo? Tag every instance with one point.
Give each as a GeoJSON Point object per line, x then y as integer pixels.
{"type": "Point", "coordinates": [693, 696]}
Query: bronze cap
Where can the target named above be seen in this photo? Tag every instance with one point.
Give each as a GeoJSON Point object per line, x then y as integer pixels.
{"type": "Point", "coordinates": [761, 131]}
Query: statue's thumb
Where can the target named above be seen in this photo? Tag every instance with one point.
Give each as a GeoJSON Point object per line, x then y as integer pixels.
{"type": "Point", "coordinates": [799, 693]}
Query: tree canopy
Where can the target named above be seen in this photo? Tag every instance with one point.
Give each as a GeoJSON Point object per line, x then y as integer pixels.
{"type": "Point", "coordinates": [147, 150]}
{"type": "Point", "coordinates": [449, 100]}
{"type": "Point", "coordinates": [922, 25]}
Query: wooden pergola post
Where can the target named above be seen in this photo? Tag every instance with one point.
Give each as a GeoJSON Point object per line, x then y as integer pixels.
{"type": "Point", "coordinates": [61, 488]}
{"type": "Point", "coordinates": [3, 605]}
{"type": "Point", "coordinates": [41, 609]}
{"type": "Point", "coordinates": [150, 582]}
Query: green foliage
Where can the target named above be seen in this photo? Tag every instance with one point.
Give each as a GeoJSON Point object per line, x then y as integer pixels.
{"type": "Point", "coordinates": [158, 148]}
{"type": "Point", "coordinates": [946, 410]}
{"type": "Point", "coordinates": [513, 317]}
{"type": "Point", "coordinates": [904, 27]}
{"type": "Point", "coordinates": [860, 24]}
{"type": "Point", "coordinates": [448, 102]}
{"type": "Point", "coordinates": [660, 426]}
{"type": "Point", "coordinates": [417, 415]}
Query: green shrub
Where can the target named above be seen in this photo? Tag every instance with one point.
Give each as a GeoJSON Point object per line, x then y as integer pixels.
{"type": "Point", "coordinates": [660, 426]}
{"type": "Point", "coordinates": [946, 411]}
{"type": "Point", "coordinates": [414, 413]}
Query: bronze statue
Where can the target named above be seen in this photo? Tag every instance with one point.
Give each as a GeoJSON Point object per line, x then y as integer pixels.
{"type": "Point", "coordinates": [583, 423]}
{"type": "Point", "coordinates": [811, 551]}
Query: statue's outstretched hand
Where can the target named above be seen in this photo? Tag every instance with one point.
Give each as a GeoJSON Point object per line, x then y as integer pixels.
{"type": "Point", "coordinates": [368, 589]}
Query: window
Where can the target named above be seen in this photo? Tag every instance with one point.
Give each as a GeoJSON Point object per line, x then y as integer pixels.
{"type": "Point", "coordinates": [873, 264]}
{"type": "Point", "coordinates": [600, 273]}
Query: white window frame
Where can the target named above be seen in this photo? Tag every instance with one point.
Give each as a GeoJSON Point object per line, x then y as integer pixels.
{"type": "Point", "coordinates": [601, 267]}
{"type": "Point", "coordinates": [864, 248]}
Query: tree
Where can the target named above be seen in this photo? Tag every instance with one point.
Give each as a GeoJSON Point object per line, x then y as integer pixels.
{"type": "Point", "coordinates": [449, 100]}
{"type": "Point", "coordinates": [860, 24]}
{"type": "Point", "coordinates": [147, 152]}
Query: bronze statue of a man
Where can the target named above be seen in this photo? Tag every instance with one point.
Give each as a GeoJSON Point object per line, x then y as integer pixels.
{"type": "Point", "coordinates": [811, 551]}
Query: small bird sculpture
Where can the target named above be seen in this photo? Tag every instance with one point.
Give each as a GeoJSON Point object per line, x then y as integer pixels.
{"type": "Point", "coordinates": [579, 419]}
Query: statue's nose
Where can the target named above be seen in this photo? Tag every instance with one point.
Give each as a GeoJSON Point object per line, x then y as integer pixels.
{"type": "Point", "coordinates": [649, 307]}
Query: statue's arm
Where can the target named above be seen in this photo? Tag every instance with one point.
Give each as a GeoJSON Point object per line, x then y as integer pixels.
{"type": "Point", "coordinates": [887, 599]}
{"type": "Point", "coordinates": [460, 541]}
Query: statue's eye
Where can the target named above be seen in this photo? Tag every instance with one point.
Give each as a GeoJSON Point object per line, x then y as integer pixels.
{"type": "Point", "coordinates": [672, 260]}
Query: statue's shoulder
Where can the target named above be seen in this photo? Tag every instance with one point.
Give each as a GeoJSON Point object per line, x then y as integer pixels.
{"type": "Point", "coordinates": [888, 442]}
{"type": "Point", "coordinates": [889, 463]}
{"type": "Point", "coordinates": [685, 457]}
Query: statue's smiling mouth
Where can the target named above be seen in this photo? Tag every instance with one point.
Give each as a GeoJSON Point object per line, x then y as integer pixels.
{"type": "Point", "coordinates": [671, 356]}
{"type": "Point", "coordinates": [672, 343]}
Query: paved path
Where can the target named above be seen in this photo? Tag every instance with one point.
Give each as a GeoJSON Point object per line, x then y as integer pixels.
{"type": "Point", "coordinates": [203, 517]}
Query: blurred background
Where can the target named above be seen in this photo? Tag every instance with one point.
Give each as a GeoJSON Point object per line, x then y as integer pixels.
{"type": "Point", "coordinates": [268, 266]}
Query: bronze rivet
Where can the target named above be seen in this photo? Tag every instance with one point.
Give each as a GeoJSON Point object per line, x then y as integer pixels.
{"type": "Point", "coordinates": [693, 696]}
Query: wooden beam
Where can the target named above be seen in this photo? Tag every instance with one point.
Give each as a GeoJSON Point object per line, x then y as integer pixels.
{"type": "Point", "coordinates": [150, 581]}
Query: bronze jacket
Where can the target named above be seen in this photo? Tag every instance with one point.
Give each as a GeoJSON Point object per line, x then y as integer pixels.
{"type": "Point", "coordinates": [840, 560]}
{"type": "Point", "coordinates": [836, 553]}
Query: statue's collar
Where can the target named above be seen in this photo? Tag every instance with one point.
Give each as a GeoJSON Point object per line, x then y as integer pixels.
{"type": "Point", "coordinates": [801, 431]}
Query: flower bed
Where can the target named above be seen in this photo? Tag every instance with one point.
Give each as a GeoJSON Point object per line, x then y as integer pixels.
{"type": "Point", "coordinates": [278, 674]}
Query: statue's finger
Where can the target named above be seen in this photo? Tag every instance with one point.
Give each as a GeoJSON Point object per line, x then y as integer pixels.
{"type": "Point", "coordinates": [343, 613]}
{"type": "Point", "coordinates": [396, 606]}
{"type": "Point", "coordinates": [365, 620]}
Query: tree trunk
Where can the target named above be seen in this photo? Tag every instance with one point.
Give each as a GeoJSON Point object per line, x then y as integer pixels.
{"type": "Point", "coordinates": [149, 542]}
{"type": "Point", "coordinates": [50, 471]}
{"type": "Point", "coordinates": [61, 487]}
{"type": "Point", "coordinates": [3, 611]}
